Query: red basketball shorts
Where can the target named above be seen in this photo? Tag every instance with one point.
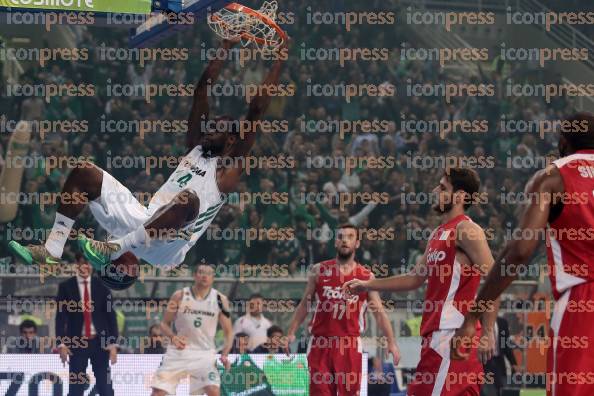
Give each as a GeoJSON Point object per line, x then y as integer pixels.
{"type": "Point", "coordinates": [438, 375]}
{"type": "Point", "coordinates": [334, 365]}
{"type": "Point", "coordinates": [570, 361]}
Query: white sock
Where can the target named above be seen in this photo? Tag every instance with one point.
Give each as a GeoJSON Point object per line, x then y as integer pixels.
{"type": "Point", "coordinates": [59, 235]}
{"type": "Point", "coordinates": [130, 241]}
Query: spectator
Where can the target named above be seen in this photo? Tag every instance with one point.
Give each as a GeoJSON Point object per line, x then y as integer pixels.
{"type": "Point", "coordinates": [156, 340]}
{"type": "Point", "coordinates": [253, 323]}
{"type": "Point", "coordinates": [86, 332]}
{"type": "Point", "coordinates": [27, 342]}
{"type": "Point", "coordinates": [274, 343]}
{"type": "Point", "coordinates": [240, 343]}
{"type": "Point", "coordinates": [334, 186]}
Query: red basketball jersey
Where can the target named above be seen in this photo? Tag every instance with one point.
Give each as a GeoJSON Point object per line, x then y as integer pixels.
{"type": "Point", "coordinates": [570, 238]}
{"type": "Point", "coordinates": [334, 314]}
{"type": "Point", "coordinates": [452, 286]}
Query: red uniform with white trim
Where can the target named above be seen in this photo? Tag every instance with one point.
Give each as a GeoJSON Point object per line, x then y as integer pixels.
{"type": "Point", "coordinates": [334, 353]}
{"type": "Point", "coordinates": [452, 287]}
{"type": "Point", "coordinates": [570, 248]}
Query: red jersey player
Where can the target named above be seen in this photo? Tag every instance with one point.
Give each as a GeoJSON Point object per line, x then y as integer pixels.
{"type": "Point", "coordinates": [456, 255]}
{"type": "Point", "coordinates": [335, 351]}
{"type": "Point", "coordinates": [560, 200]}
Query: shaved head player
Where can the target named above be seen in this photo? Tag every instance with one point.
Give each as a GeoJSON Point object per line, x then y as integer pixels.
{"type": "Point", "coordinates": [560, 201]}
{"type": "Point", "coordinates": [180, 212]}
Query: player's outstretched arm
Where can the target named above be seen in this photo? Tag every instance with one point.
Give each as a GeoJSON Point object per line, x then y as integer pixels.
{"type": "Point", "coordinates": [200, 108]}
{"type": "Point", "coordinates": [409, 281]}
{"type": "Point", "coordinates": [533, 220]}
{"type": "Point", "coordinates": [257, 107]}
{"type": "Point", "coordinates": [169, 317]}
{"type": "Point", "coordinates": [377, 308]}
{"type": "Point", "coordinates": [412, 280]}
{"type": "Point", "coordinates": [242, 146]}
{"type": "Point", "coordinates": [227, 326]}
{"type": "Point", "coordinates": [303, 308]}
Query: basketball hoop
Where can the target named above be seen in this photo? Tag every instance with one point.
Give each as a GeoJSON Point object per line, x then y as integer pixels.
{"type": "Point", "coordinates": [238, 22]}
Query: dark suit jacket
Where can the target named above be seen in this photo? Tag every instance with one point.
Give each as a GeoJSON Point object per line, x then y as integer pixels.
{"type": "Point", "coordinates": [496, 364]}
{"type": "Point", "coordinates": [505, 349]}
{"type": "Point", "coordinates": [70, 320]}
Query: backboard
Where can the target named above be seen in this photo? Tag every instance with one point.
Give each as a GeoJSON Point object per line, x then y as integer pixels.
{"type": "Point", "coordinates": [149, 21]}
{"type": "Point", "coordinates": [182, 14]}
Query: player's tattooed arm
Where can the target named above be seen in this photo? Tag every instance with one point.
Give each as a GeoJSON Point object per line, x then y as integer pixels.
{"type": "Point", "coordinates": [169, 317]}
{"type": "Point", "coordinates": [200, 108]}
{"type": "Point", "coordinates": [306, 302]}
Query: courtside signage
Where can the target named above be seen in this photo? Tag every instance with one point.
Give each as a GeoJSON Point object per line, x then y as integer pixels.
{"type": "Point", "coordinates": [116, 6]}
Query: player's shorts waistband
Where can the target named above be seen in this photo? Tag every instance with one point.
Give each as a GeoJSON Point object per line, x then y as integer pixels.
{"type": "Point", "coordinates": [191, 350]}
{"type": "Point", "coordinates": [337, 336]}
{"type": "Point", "coordinates": [335, 341]}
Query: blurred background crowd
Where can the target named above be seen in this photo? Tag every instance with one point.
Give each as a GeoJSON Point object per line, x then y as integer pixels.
{"type": "Point", "coordinates": [400, 212]}
{"type": "Point", "coordinates": [419, 156]}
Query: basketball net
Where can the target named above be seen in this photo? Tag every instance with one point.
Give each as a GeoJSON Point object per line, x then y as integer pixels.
{"type": "Point", "coordinates": [238, 22]}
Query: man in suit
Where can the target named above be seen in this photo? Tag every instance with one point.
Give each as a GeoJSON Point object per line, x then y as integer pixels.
{"type": "Point", "coordinates": [86, 329]}
{"type": "Point", "coordinates": [496, 365]}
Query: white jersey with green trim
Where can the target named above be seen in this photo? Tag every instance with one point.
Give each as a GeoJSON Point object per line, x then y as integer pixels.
{"type": "Point", "coordinates": [197, 319]}
{"type": "Point", "coordinates": [198, 174]}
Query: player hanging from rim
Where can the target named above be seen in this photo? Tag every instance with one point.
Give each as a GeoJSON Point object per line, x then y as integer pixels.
{"type": "Point", "coordinates": [195, 311]}
{"type": "Point", "coordinates": [334, 351]}
{"type": "Point", "coordinates": [184, 206]}
{"type": "Point", "coordinates": [559, 201]}
{"type": "Point", "coordinates": [456, 255]}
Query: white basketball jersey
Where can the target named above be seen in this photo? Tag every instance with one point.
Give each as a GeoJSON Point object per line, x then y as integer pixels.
{"type": "Point", "coordinates": [197, 319]}
{"type": "Point", "coordinates": [198, 174]}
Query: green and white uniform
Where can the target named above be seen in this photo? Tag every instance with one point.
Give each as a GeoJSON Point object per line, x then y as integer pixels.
{"type": "Point", "coordinates": [119, 212]}
{"type": "Point", "coordinates": [196, 320]}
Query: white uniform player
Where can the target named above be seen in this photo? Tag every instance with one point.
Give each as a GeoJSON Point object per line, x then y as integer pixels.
{"type": "Point", "coordinates": [192, 350]}
{"type": "Point", "coordinates": [119, 212]}
{"type": "Point", "coordinates": [184, 206]}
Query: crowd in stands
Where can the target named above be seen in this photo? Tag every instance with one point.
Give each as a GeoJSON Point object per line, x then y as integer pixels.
{"type": "Point", "coordinates": [418, 155]}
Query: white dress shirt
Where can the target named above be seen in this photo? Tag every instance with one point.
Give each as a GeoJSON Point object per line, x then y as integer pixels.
{"type": "Point", "coordinates": [253, 327]}
{"type": "Point", "coordinates": [81, 288]}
